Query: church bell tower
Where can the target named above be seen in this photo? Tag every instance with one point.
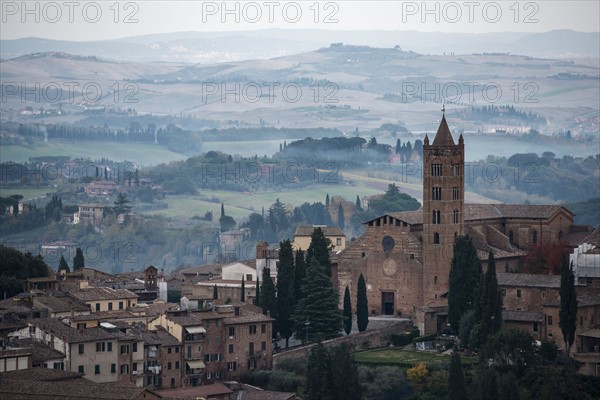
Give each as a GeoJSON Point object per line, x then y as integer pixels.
{"type": "Point", "coordinates": [443, 205]}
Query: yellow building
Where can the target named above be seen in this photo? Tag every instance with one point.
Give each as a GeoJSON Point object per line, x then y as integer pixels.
{"type": "Point", "coordinates": [333, 233]}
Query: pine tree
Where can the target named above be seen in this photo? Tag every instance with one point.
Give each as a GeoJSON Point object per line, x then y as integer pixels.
{"type": "Point", "coordinates": [362, 307]}
{"type": "Point", "coordinates": [491, 302]}
{"type": "Point", "coordinates": [285, 290]}
{"type": "Point", "coordinates": [318, 377]}
{"type": "Point", "coordinates": [340, 217]}
{"type": "Point", "coordinates": [268, 300]}
{"type": "Point", "coordinates": [358, 204]}
{"type": "Point", "coordinates": [319, 249]}
{"type": "Point", "coordinates": [456, 379]}
{"type": "Point", "coordinates": [78, 260]}
{"type": "Point", "coordinates": [327, 201]}
{"type": "Point", "coordinates": [317, 311]}
{"type": "Point", "coordinates": [243, 294]}
{"type": "Point", "coordinates": [121, 204]}
{"type": "Point", "coordinates": [465, 273]}
{"type": "Point", "coordinates": [347, 313]}
{"type": "Point", "coordinates": [299, 275]}
{"type": "Point", "coordinates": [62, 265]}
{"type": "Point", "coordinates": [568, 304]}
{"type": "Point", "coordinates": [215, 292]}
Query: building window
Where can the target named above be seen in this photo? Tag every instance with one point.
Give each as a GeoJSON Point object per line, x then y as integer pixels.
{"type": "Point", "coordinates": [510, 236]}
{"type": "Point", "coordinates": [125, 349]}
{"type": "Point", "coordinates": [81, 348]}
{"type": "Point", "coordinates": [248, 277]}
{"type": "Point", "coordinates": [97, 369]}
{"type": "Point", "coordinates": [535, 327]}
{"type": "Point", "coordinates": [436, 238]}
{"type": "Point", "coordinates": [455, 193]}
{"type": "Point", "coordinates": [251, 348]}
{"type": "Point", "coordinates": [230, 348]}
{"type": "Point", "coordinates": [169, 365]}
{"type": "Point", "coordinates": [252, 329]}
{"type": "Point", "coordinates": [503, 291]}
{"type": "Point", "coordinates": [560, 235]}
{"type": "Point", "coordinates": [534, 236]}
{"type": "Point", "coordinates": [110, 306]}
{"type": "Point", "coordinates": [176, 364]}
{"type": "Point", "coordinates": [176, 349]}
{"type": "Point", "coordinates": [338, 241]}
{"type": "Point", "coordinates": [231, 366]}
{"type": "Point", "coordinates": [435, 279]}
{"type": "Point", "coordinates": [135, 347]}
{"type": "Point", "coordinates": [518, 293]}
{"type": "Point", "coordinates": [109, 346]}
{"type": "Point", "coordinates": [169, 350]}
{"type": "Point", "coordinates": [263, 328]}
{"type": "Point", "coordinates": [436, 169]}
{"type": "Point", "coordinates": [124, 368]}
{"type": "Point", "coordinates": [456, 216]}
{"type": "Point", "coordinates": [455, 170]}
{"type": "Point", "coordinates": [97, 306]}
{"type": "Point", "coordinates": [120, 305]}
{"type": "Point", "coordinates": [436, 193]}
{"type": "Point", "coordinates": [231, 331]}
{"type": "Point", "coordinates": [436, 217]}
{"type": "Point", "coordinates": [81, 369]}
{"type": "Point", "coordinates": [172, 382]}
{"type": "Point", "coordinates": [543, 295]}
{"type": "Point", "coordinates": [263, 346]}
{"type": "Point", "coordinates": [113, 368]}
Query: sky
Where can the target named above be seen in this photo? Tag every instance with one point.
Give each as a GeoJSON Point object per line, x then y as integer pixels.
{"type": "Point", "coordinates": [110, 19]}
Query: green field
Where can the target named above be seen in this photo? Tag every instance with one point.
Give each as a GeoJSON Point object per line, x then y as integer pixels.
{"type": "Point", "coordinates": [405, 358]}
{"type": "Point", "coordinates": [27, 193]}
{"type": "Point", "coordinates": [142, 154]}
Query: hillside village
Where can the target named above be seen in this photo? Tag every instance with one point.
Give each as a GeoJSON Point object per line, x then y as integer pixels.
{"type": "Point", "coordinates": [194, 332]}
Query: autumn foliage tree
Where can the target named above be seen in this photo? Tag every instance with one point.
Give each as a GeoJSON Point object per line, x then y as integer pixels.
{"type": "Point", "coordinates": [545, 258]}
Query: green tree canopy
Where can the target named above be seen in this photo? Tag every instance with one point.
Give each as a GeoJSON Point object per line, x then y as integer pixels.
{"type": "Point", "coordinates": [347, 313]}
{"type": "Point", "coordinates": [568, 305]}
{"type": "Point", "coordinates": [285, 290]}
{"type": "Point", "coordinates": [362, 307]}
{"type": "Point", "coordinates": [319, 249]}
{"type": "Point", "coordinates": [78, 260]}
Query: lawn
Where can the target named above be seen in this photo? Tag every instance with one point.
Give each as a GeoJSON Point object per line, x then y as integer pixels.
{"type": "Point", "coordinates": [404, 358]}
{"type": "Point", "coordinates": [27, 193]}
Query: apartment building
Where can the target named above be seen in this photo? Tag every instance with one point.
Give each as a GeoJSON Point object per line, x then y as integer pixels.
{"type": "Point", "coordinates": [105, 298]}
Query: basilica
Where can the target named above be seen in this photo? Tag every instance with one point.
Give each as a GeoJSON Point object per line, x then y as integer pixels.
{"type": "Point", "coordinates": [405, 257]}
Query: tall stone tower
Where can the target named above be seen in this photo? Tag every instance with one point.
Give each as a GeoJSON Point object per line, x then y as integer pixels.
{"type": "Point", "coordinates": [443, 204]}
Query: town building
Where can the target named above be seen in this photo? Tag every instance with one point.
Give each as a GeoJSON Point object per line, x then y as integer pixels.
{"type": "Point", "coordinates": [105, 298]}
{"type": "Point", "coordinates": [333, 233]}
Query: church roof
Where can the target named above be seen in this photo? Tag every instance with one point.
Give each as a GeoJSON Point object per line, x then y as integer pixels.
{"type": "Point", "coordinates": [443, 135]}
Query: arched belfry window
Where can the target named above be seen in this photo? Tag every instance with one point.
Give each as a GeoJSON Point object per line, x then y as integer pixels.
{"type": "Point", "coordinates": [436, 193]}
{"type": "Point", "coordinates": [456, 216]}
{"type": "Point", "coordinates": [436, 217]}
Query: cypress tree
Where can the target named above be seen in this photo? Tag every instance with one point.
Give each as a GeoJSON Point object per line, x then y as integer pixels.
{"type": "Point", "coordinates": [347, 313]}
{"type": "Point", "coordinates": [358, 205]}
{"type": "Point", "coordinates": [491, 302]}
{"type": "Point", "coordinates": [222, 210]}
{"type": "Point", "coordinates": [362, 307]}
{"type": "Point", "coordinates": [318, 307]}
{"type": "Point", "coordinates": [465, 273]}
{"type": "Point", "coordinates": [340, 217]}
{"type": "Point", "coordinates": [78, 260]}
{"type": "Point", "coordinates": [318, 377]}
{"type": "Point", "coordinates": [257, 297]}
{"type": "Point", "coordinates": [243, 294]}
{"type": "Point", "coordinates": [319, 249]}
{"type": "Point", "coordinates": [327, 201]}
{"type": "Point", "coordinates": [62, 265]}
{"type": "Point", "coordinates": [268, 301]}
{"type": "Point", "coordinates": [568, 304]}
{"type": "Point", "coordinates": [456, 379]}
{"type": "Point", "coordinates": [299, 275]}
{"type": "Point", "coordinates": [343, 373]}
{"type": "Point", "coordinates": [285, 290]}
{"type": "Point", "coordinates": [487, 387]}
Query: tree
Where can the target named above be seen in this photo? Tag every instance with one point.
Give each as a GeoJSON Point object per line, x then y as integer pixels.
{"type": "Point", "coordinates": [343, 374]}
{"type": "Point", "coordinates": [465, 273]}
{"type": "Point", "coordinates": [243, 294]}
{"type": "Point", "coordinates": [257, 296]}
{"type": "Point", "coordinates": [362, 307]}
{"type": "Point", "coordinates": [491, 302]}
{"type": "Point", "coordinates": [340, 217]}
{"type": "Point", "coordinates": [487, 388]}
{"type": "Point", "coordinates": [268, 300]}
{"type": "Point", "coordinates": [62, 265]}
{"type": "Point", "coordinates": [285, 290]}
{"type": "Point", "coordinates": [318, 377]}
{"type": "Point", "coordinates": [319, 249]}
{"type": "Point", "coordinates": [299, 275]}
{"type": "Point", "coordinates": [121, 204]}
{"type": "Point", "coordinates": [327, 201]}
{"type": "Point", "coordinates": [222, 210]}
{"type": "Point", "coordinates": [358, 204]}
{"type": "Point", "coordinates": [215, 292]}
{"type": "Point", "coordinates": [347, 313]}
{"type": "Point", "coordinates": [417, 374]}
{"type": "Point", "coordinates": [317, 311]}
{"type": "Point", "coordinates": [227, 223]}
{"type": "Point", "coordinates": [78, 260]}
{"type": "Point", "coordinates": [456, 379]}
{"type": "Point", "coordinates": [568, 305]}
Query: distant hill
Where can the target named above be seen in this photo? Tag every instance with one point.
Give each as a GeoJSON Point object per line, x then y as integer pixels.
{"type": "Point", "coordinates": [206, 47]}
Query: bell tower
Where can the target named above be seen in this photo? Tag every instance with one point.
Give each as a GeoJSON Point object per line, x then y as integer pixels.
{"type": "Point", "coordinates": [443, 204]}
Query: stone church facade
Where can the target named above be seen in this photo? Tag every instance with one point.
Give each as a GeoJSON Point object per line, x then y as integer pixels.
{"type": "Point", "coordinates": [405, 257]}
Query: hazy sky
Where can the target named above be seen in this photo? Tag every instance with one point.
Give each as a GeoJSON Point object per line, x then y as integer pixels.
{"type": "Point", "coordinates": [89, 20]}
